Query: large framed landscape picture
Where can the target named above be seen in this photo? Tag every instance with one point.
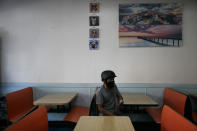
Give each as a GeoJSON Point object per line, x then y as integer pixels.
{"type": "Point", "coordinates": [150, 25]}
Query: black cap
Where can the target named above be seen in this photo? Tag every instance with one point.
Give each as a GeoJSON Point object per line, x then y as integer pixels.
{"type": "Point", "coordinates": [107, 74]}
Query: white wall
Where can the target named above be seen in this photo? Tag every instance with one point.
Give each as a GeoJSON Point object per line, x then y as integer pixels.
{"type": "Point", "coordinates": [47, 41]}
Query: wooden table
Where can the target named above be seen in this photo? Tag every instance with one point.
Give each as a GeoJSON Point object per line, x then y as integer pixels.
{"type": "Point", "coordinates": [104, 123]}
{"type": "Point", "coordinates": [138, 99]}
{"type": "Point", "coordinates": [56, 99]}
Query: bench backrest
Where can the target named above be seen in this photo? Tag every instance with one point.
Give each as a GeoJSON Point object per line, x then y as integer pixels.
{"type": "Point", "coordinates": [35, 121]}
{"type": "Point", "coordinates": [19, 102]}
{"type": "Point", "coordinates": [175, 100]}
{"type": "Point", "coordinates": [173, 121]}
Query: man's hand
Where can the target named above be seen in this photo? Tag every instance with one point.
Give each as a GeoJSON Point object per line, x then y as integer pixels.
{"type": "Point", "coordinates": [121, 101]}
{"type": "Point", "coordinates": [105, 112]}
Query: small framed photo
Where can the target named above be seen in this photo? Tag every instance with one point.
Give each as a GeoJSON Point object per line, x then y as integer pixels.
{"type": "Point", "coordinates": [93, 44]}
{"type": "Point", "coordinates": [94, 7]}
{"type": "Point", "coordinates": [94, 33]}
{"type": "Point", "coordinates": [94, 20]}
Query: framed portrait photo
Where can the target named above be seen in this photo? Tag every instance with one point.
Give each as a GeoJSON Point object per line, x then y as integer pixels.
{"type": "Point", "coordinates": [94, 20]}
{"type": "Point", "coordinates": [94, 7]}
{"type": "Point", "coordinates": [94, 33]}
{"type": "Point", "coordinates": [93, 44]}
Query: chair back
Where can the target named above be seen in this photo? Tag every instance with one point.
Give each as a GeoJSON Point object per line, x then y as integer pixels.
{"type": "Point", "coordinates": [173, 121]}
{"type": "Point", "coordinates": [35, 121]}
{"type": "Point", "coordinates": [175, 100]}
{"type": "Point", "coordinates": [93, 107]}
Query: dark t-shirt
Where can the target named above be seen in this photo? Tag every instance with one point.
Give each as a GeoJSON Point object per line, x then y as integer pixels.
{"type": "Point", "coordinates": [108, 98]}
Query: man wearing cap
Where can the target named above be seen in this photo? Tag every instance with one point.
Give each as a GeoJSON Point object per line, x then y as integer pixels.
{"type": "Point", "coordinates": [108, 97]}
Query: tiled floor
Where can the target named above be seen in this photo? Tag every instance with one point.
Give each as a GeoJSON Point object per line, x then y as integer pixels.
{"type": "Point", "coordinates": [140, 117]}
{"type": "Point", "coordinates": [143, 122]}
{"type": "Point", "coordinates": [56, 116]}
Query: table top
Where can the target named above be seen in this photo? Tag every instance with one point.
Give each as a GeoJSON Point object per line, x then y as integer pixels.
{"type": "Point", "coordinates": [55, 99]}
{"type": "Point", "coordinates": [104, 123]}
{"type": "Point", "coordinates": [137, 99]}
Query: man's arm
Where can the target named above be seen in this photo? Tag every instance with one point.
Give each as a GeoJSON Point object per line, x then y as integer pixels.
{"type": "Point", "coordinates": [105, 112]}
{"type": "Point", "coordinates": [119, 95]}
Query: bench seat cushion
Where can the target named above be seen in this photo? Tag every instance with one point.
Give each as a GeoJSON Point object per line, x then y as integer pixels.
{"type": "Point", "coordinates": [75, 113]}
{"type": "Point", "coordinates": [155, 113]}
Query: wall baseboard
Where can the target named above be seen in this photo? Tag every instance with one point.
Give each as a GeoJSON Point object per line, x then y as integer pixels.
{"type": "Point", "coordinates": [92, 85]}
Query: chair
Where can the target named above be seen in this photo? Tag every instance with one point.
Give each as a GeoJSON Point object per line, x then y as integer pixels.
{"type": "Point", "coordinates": [173, 121]}
{"type": "Point", "coordinates": [19, 103]}
{"type": "Point", "coordinates": [35, 121]}
{"type": "Point", "coordinates": [172, 98]}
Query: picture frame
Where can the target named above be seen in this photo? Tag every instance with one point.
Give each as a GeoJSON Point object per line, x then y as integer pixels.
{"type": "Point", "coordinates": [93, 44]}
{"type": "Point", "coordinates": [94, 7]}
{"type": "Point", "coordinates": [94, 33]}
{"type": "Point", "coordinates": [93, 20]}
{"type": "Point", "coordinates": [150, 25]}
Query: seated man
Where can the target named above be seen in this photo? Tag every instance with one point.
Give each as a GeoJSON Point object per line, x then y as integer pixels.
{"type": "Point", "coordinates": [108, 97]}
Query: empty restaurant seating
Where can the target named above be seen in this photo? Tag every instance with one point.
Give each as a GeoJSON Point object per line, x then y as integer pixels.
{"type": "Point", "coordinates": [75, 113]}
{"type": "Point", "coordinates": [171, 98]}
{"type": "Point", "coordinates": [35, 121]}
{"type": "Point", "coordinates": [173, 121]}
{"type": "Point", "coordinates": [78, 111]}
{"type": "Point", "coordinates": [19, 103]}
